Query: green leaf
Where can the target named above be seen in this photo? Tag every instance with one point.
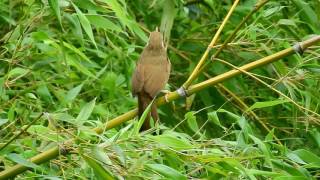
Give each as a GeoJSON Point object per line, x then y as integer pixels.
{"type": "Point", "coordinates": [54, 4]}
{"type": "Point", "coordinates": [15, 72]}
{"type": "Point", "coordinates": [121, 13]}
{"type": "Point", "coordinates": [100, 154]}
{"type": "Point", "coordinates": [271, 11]}
{"type": "Point", "coordinates": [262, 147]}
{"type": "Point", "coordinates": [72, 93]}
{"type": "Point", "coordinates": [213, 117]}
{"type": "Point", "coordinates": [77, 51]}
{"type": "Point", "coordinates": [264, 173]}
{"type": "Point", "coordinates": [85, 112]}
{"type": "Point", "coordinates": [73, 61]}
{"type": "Point", "coordinates": [44, 133]}
{"type": "Point", "coordinates": [85, 24]}
{"type": "Point", "coordinates": [232, 115]}
{"type": "Point", "coordinates": [143, 118]}
{"type": "Point", "coordinates": [101, 172]}
{"type": "Point", "coordinates": [173, 141]}
{"type": "Point", "coordinates": [192, 121]}
{"type": "Point", "coordinates": [291, 178]}
{"type": "Point", "coordinates": [103, 23]}
{"type": "Point", "coordinates": [167, 171]}
{"type": "Point", "coordinates": [17, 158]}
{"type": "Point", "coordinates": [167, 19]}
{"type": "Point", "coordinates": [316, 136]}
{"type": "Point", "coordinates": [308, 14]}
{"type": "Point", "coordinates": [294, 171]}
{"type": "Point", "coordinates": [44, 92]}
{"type": "Point", "coordinates": [3, 121]}
{"type": "Point", "coordinates": [308, 157]}
{"type": "Point", "coordinates": [63, 117]}
{"type": "Point", "coordinates": [270, 135]}
{"type": "Point", "coordinates": [259, 105]}
{"type": "Point", "coordinates": [287, 22]}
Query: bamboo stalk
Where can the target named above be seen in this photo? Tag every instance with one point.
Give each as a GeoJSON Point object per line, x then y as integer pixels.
{"type": "Point", "coordinates": [214, 40]}
{"type": "Point", "coordinates": [54, 152]}
{"type": "Point", "coordinates": [200, 66]}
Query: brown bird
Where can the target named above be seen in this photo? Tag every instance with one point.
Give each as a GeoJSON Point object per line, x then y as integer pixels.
{"type": "Point", "coordinates": [150, 76]}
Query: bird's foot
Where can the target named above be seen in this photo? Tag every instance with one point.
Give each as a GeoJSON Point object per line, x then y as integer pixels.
{"type": "Point", "coordinates": [166, 93]}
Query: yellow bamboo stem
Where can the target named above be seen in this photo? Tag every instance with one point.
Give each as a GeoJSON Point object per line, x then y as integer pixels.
{"type": "Point", "coordinates": [54, 152]}
{"type": "Point", "coordinates": [195, 71]}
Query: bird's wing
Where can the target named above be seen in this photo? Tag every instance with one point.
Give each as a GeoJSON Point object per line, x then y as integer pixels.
{"type": "Point", "coordinates": [156, 77]}
{"type": "Point", "coordinates": [137, 79]}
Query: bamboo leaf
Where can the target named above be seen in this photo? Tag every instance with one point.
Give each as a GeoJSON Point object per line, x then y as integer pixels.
{"type": "Point", "coordinates": [54, 4]}
{"type": "Point", "coordinates": [85, 24]}
{"type": "Point", "coordinates": [20, 160]}
{"type": "Point", "coordinates": [85, 112]}
{"type": "Point", "coordinates": [167, 171]}
{"type": "Point", "coordinates": [72, 93]}
{"type": "Point", "coordinates": [103, 23]}
{"type": "Point", "coordinates": [192, 121]}
{"type": "Point", "coordinates": [173, 141]}
{"type": "Point", "coordinates": [260, 105]}
{"type": "Point", "coordinates": [101, 172]}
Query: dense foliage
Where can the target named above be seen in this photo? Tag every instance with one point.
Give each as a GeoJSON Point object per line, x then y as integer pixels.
{"type": "Point", "coordinates": [72, 61]}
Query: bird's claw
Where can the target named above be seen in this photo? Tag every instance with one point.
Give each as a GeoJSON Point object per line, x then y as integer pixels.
{"type": "Point", "coordinates": [166, 93]}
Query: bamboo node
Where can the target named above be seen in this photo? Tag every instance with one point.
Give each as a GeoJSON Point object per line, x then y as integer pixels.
{"type": "Point", "coordinates": [297, 48]}
{"type": "Point", "coordinates": [182, 92]}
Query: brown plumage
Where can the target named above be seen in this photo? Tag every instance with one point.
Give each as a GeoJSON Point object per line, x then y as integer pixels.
{"type": "Point", "coordinates": [150, 76]}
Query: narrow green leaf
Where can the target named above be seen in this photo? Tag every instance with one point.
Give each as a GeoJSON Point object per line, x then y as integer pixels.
{"type": "Point", "coordinates": [85, 24]}
{"type": "Point", "coordinates": [167, 19]}
{"type": "Point", "coordinates": [101, 172]}
{"type": "Point", "coordinates": [15, 72]}
{"type": "Point", "coordinates": [100, 154]}
{"type": "Point", "coordinates": [270, 135]}
{"type": "Point", "coordinates": [44, 133]}
{"type": "Point", "coordinates": [72, 93]}
{"type": "Point", "coordinates": [192, 121]}
{"type": "Point", "coordinates": [291, 178]}
{"type": "Point", "coordinates": [72, 60]}
{"type": "Point", "coordinates": [315, 134]}
{"type": "Point", "coordinates": [262, 147]}
{"type": "Point", "coordinates": [167, 171]}
{"type": "Point", "coordinates": [11, 112]}
{"type": "Point", "coordinates": [143, 118]}
{"type": "Point", "coordinates": [85, 112]}
{"type": "Point", "coordinates": [103, 23]}
{"type": "Point", "coordinates": [308, 14]}
{"type": "Point", "coordinates": [259, 105]}
{"type": "Point", "coordinates": [3, 121]}
{"type": "Point", "coordinates": [76, 51]}
{"type": "Point", "coordinates": [172, 141]}
{"type": "Point", "coordinates": [287, 22]}
{"type": "Point", "coordinates": [308, 157]}
{"type": "Point", "coordinates": [293, 171]}
{"type": "Point", "coordinates": [17, 158]}
{"type": "Point", "coordinates": [121, 13]}
{"type": "Point", "coordinates": [54, 4]}
{"type": "Point", "coordinates": [213, 117]}
{"type": "Point", "coordinates": [44, 92]}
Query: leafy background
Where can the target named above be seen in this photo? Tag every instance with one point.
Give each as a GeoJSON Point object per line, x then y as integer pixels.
{"type": "Point", "coordinates": [73, 61]}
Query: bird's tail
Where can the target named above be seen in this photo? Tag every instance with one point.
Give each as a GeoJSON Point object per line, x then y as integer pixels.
{"type": "Point", "coordinates": [144, 100]}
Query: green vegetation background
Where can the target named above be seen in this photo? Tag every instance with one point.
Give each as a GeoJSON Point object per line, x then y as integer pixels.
{"type": "Point", "coordinates": [73, 61]}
